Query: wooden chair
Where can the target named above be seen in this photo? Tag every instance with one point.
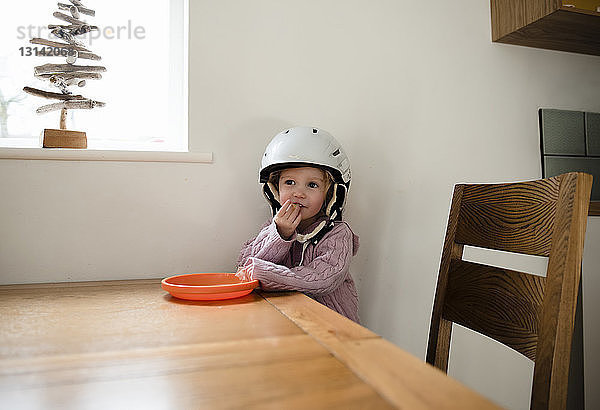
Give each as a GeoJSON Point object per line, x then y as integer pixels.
{"type": "Point", "coordinates": [532, 314]}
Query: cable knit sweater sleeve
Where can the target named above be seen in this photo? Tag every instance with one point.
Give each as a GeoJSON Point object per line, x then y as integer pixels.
{"type": "Point", "coordinates": [268, 245]}
{"type": "Point", "coordinates": [326, 271]}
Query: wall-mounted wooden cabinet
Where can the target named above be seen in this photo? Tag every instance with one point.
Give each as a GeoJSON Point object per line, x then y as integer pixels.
{"type": "Point", "coordinates": [549, 24]}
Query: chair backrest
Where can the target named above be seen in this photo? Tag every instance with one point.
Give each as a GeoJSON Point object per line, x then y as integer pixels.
{"type": "Point", "coordinates": [532, 314]}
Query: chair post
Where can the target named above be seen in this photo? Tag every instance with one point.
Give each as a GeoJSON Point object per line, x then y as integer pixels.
{"type": "Point", "coordinates": [550, 379]}
{"type": "Point", "coordinates": [440, 331]}
{"type": "Point", "coordinates": [576, 390]}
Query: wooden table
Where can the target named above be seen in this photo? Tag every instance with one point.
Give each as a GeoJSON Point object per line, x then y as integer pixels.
{"type": "Point", "coordinates": [129, 344]}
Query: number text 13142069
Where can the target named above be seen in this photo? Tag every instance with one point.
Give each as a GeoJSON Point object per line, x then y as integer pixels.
{"type": "Point", "coordinates": [44, 51]}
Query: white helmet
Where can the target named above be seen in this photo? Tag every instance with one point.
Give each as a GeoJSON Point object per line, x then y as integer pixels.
{"type": "Point", "coordinates": [301, 146]}
{"type": "Point", "coordinates": [308, 146]}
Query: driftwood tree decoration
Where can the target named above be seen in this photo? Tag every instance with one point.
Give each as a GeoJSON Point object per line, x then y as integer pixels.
{"type": "Point", "coordinates": [63, 76]}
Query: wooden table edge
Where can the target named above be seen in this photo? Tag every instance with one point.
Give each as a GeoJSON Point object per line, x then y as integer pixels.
{"type": "Point", "coordinates": [351, 344]}
{"type": "Point", "coordinates": [78, 284]}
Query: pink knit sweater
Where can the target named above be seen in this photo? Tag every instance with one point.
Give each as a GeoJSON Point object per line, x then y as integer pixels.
{"type": "Point", "coordinates": [324, 274]}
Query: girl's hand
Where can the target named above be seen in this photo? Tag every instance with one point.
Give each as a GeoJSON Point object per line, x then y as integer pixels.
{"type": "Point", "coordinates": [287, 219]}
{"type": "Point", "coordinates": [245, 273]}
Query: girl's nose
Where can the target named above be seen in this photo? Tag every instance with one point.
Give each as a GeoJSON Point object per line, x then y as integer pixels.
{"type": "Point", "coordinates": [299, 193]}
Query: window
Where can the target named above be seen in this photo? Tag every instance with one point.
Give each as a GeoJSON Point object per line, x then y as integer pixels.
{"type": "Point", "coordinates": [144, 49]}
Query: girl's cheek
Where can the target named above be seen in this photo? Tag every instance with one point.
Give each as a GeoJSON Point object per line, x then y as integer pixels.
{"type": "Point", "coordinates": [284, 194]}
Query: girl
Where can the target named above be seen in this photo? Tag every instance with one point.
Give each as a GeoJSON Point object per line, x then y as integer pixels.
{"type": "Point", "coordinates": [305, 246]}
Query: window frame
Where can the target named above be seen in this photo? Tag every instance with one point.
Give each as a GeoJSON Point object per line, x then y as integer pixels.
{"type": "Point", "coordinates": [178, 138]}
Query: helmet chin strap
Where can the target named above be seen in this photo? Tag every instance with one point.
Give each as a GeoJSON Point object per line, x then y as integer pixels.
{"type": "Point", "coordinates": [305, 239]}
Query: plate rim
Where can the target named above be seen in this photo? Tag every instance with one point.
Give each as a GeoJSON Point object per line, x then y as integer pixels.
{"type": "Point", "coordinates": [224, 288]}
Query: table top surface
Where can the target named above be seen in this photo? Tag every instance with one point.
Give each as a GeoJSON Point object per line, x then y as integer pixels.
{"type": "Point", "coordinates": [128, 344]}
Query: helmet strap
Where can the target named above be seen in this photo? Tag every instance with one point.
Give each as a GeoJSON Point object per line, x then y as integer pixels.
{"type": "Point", "coordinates": [313, 237]}
{"type": "Point", "coordinates": [268, 193]}
{"type": "Point", "coordinates": [336, 204]}
{"type": "Point", "coordinates": [332, 201]}
{"type": "Point", "coordinates": [304, 238]}
{"type": "Point", "coordinates": [274, 191]}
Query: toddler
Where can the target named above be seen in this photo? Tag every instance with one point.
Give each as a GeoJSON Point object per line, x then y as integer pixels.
{"type": "Point", "coordinates": [306, 246]}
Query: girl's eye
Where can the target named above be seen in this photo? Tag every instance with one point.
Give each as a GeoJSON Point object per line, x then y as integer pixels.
{"type": "Point", "coordinates": [289, 182]}
{"type": "Point", "coordinates": [313, 185]}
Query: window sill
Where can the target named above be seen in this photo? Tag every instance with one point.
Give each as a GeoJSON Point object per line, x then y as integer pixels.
{"type": "Point", "coordinates": [59, 154]}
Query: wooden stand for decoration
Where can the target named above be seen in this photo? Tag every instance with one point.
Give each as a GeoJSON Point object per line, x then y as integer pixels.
{"type": "Point", "coordinates": [64, 138]}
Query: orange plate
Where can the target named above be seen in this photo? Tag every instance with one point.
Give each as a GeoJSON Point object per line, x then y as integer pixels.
{"type": "Point", "coordinates": [207, 286]}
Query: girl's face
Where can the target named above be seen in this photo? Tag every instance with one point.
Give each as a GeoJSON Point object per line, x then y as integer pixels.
{"type": "Point", "coordinates": [306, 187]}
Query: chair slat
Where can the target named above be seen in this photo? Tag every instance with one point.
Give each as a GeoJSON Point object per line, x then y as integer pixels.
{"type": "Point", "coordinates": [523, 229]}
{"type": "Point", "coordinates": [509, 217]}
{"type": "Point", "coordinates": [541, 191]}
{"type": "Point", "coordinates": [500, 303]}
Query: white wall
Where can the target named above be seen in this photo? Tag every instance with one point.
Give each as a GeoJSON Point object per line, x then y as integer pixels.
{"type": "Point", "coordinates": [417, 94]}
